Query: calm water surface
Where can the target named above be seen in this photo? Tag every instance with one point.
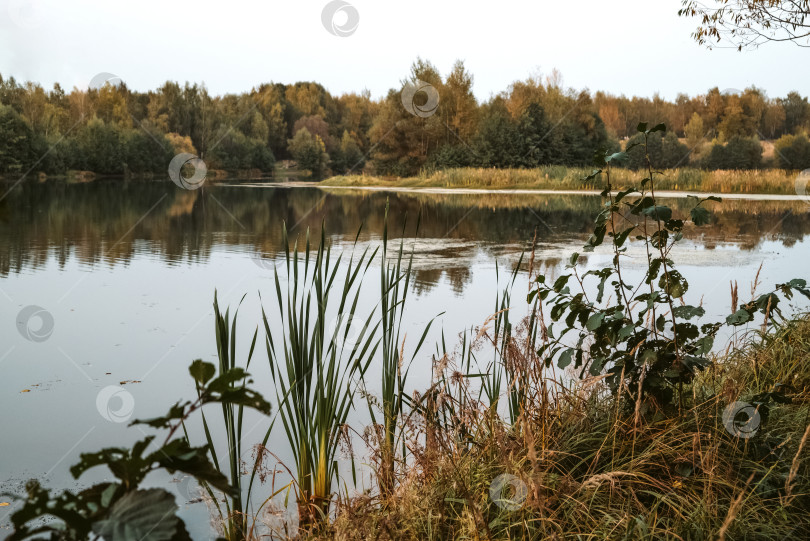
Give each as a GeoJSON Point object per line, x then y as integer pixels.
{"type": "Point", "coordinates": [127, 271]}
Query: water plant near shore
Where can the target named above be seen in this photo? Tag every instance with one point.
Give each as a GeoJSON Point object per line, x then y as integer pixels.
{"type": "Point", "coordinates": [313, 370]}
{"type": "Point", "coordinates": [234, 518]}
{"type": "Point", "coordinates": [395, 281]}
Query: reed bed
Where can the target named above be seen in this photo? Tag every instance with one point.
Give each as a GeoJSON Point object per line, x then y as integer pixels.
{"type": "Point", "coordinates": [554, 177]}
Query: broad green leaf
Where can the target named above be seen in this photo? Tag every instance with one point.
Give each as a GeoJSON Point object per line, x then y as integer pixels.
{"type": "Point", "coordinates": [617, 156]}
{"type": "Point", "coordinates": [595, 321]}
{"type": "Point", "coordinates": [595, 173]}
{"type": "Point", "coordinates": [142, 515]}
{"type": "Point", "coordinates": [688, 312]}
{"type": "Point", "coordinates": [624, 193]}
{"type": "Point", "coordinates": [740, 317]}
{"type": "Point", "coordinates": [560, 282]}
{"type": "Point", "coordinates": [619, 239]}
{"type": "Point", "coordinates": [700, 216]}
{"type": "Point", "coordinates": [178, 455]}
{"type": "Point", "coordinates": [673, 283]}
{"type": "Point", "coordinates": [565, 358]}
{"type": "Point", "coordinates": [201, 371]}
{"type": "Point", "coordinates": [176, 412]}
{"type": "Point", "coordinates": [659, 212]}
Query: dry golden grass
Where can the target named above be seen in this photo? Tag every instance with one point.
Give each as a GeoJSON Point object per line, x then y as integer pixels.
{"type": "Point", "coordinates": [597, 467]}
{"type": "Point", "coordinates": [765, 181]}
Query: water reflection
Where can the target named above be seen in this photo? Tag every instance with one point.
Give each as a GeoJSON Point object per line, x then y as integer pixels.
{"type": "Point", "coordinates": [111, 222]}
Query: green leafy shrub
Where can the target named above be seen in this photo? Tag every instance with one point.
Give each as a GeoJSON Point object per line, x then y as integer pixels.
{"type": "Point", "coordinates": [793, 151]}
{"type": "Point", "coordinates": [641, 335]}
{"type": "Point", "coordinates": [309, 152]}
{"type": "Point", "coordinates": [665, 151]}
{"type": "Point", "coordinates": [738, 153]}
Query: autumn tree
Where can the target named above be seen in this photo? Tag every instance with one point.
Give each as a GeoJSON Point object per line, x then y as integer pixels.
{"type": "Point", "coordinates": [747, 24]}
{"type": "Point", "coordinates": [773, 119]}
{"type": "Point", "coordinates": [270, 102]}
{"type": "Point", "coordinates": [694, 131]}
{"type": "Point", "coordinates": [734, 120]}
{"type": "Point", "coordinates": [110, 104]}
{"type": "Point", "coordinates": [348, 157]}
{"type": "Point", "coordinates": [609, 113]}
{"type": "Point", "coordinates": [356, 112]}
{"type": "Point", "coordinates": [458, 105]}
{"type": "Point", "coordinates": [16, 142]}
{"type": "Point", "coordinates": [536, 121]}
{"type": "Point", "coordinates": [315, 125]}
{"type": "Point", "coordinates": [403, 140]}
{"type": "Point", "coordinates": [797, 112]}
{"type": "Point", "coordinates": [309, 152]}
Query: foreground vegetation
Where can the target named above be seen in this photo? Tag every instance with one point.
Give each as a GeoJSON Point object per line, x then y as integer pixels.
{"type": "Point", "coordinates": [555, 177]}
{"type": "Point", "coordinates": [587, 465]}
{"type": "Point", "coordinates": [606, 413]}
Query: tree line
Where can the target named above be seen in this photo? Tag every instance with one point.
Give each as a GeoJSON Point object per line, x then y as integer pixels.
{"type": "Point", "coordinates": [438, 123]}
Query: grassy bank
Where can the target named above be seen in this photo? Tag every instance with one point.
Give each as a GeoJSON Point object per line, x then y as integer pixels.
{"type": "Point", "coordinates": [582, 467]}
{"type": "Point", "coordinates": [766, 181]}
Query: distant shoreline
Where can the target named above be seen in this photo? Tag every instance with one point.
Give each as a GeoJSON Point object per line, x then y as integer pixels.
{"type": "Point", "coordinates": [560, 178]}
{"type": "Point", "coordinates": [445, 191]}
{"type": "Point", "coordinates": [764, 184]}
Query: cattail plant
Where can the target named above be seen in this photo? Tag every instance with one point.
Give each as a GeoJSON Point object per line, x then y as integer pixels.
{"type": "Point", "coordinates": [394, 282]}
{"type": "Point", "coordinates": [314, 374]}
{"type": "Point", "coordinates": [233, 518]}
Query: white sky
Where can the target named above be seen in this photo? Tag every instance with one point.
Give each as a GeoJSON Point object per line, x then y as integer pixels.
{"type": "Point", "coordinates": [234, 45]}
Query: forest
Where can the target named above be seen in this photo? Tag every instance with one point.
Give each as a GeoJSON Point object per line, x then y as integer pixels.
{"type": "Point", "coordinates": [110, 129]}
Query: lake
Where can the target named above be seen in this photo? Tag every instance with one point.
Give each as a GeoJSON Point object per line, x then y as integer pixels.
{"type": "Point", "coordinates": [122, 276]}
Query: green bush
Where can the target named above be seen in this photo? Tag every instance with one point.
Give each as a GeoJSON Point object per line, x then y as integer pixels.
{"type": "Point", "coordinates": [666, 152]}
{"type": "Point", "coordinates": [18, 143]}
{"type": "Point", "coordinates": [99, 148]}
{"type": "Point", "coordinates": [532, 140]}
{"type": "Point", "coordinates": [309, 152]}
{"type": "Point", "coordinates": [738, 153]}
{"type": "Point", "coordinates": [348, 156]}
{"type": "Point", "coordinates": [793, 151]}
{"type": "Point", "coordinates": [145, 152]}
{"type": "Point", "coordinates": [451, 156]}
{"type": "Point", "coordinates": [237, 151]}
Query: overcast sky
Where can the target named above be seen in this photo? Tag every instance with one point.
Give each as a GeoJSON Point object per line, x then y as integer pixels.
{"type": "Point", "coordinates": [632, 47]}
